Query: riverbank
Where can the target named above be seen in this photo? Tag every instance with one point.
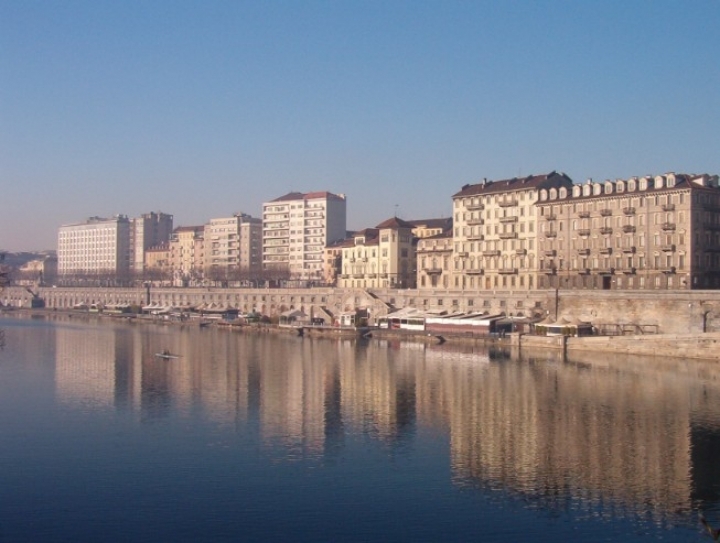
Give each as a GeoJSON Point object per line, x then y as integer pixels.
{"type": "Point", "coordinates": [703, 346]}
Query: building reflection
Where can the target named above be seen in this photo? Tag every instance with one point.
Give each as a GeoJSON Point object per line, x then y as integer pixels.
{"type": "Point", "coordinates": [622, 435]}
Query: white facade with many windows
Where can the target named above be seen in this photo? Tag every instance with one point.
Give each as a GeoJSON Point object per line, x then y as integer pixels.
{"type": "Point", "coordinates": [296, 229]}
{"type": "Point", "coordinates": [96, 246]}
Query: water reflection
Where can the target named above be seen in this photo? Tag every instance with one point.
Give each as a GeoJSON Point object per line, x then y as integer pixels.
{"type": "Point", "coordinates": [632, 437]}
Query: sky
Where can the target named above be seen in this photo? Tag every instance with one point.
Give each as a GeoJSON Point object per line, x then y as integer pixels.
{"type": "Point", "coordinates": [206, 108]}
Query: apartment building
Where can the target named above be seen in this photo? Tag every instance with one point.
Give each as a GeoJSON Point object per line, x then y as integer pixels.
{"type": "Point", "coordinates": [233, 245]}
{"type": "Point", "coordinates": [435, 259]}
{"type": "Point", "coordinates": [494, 232]}
{"type": "Point", "coordinates": [148, 230]}
{"type": "Point", "coordinates": [653, 232]}
{"type": "Point", "coordinates": [187, 254]}
{"type": "Point", "coordinates": [97, 246]}
{"type": "Point", "coordinates": [297, 227]}
{"type": "Point", "coordinates": [380, 257]}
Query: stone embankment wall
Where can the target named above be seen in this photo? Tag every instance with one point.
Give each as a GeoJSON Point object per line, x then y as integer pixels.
{"type": "Point", "coordinates": [619, 312]}
{"type": "Point", "coordinates": [685, 346]}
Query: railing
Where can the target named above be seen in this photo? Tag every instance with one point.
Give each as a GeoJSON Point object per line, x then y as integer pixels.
{"type": "Point", "coordinates": [668, 226]}
{"type": "Point", "coordinates": [629, 210]}
{"type": "Point", "coordinates": [606, 212]}
{"type": "Point", "coordinates": [628, 228]}
{"type": "Point", "coordinates": [606, 230]}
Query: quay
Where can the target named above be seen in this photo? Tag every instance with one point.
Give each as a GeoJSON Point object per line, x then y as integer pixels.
{"type": "Point", "coordinates": [683, 323]}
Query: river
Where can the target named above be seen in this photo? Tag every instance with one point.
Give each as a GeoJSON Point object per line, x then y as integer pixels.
{"type": "Point", "coordinates": [265, 437]}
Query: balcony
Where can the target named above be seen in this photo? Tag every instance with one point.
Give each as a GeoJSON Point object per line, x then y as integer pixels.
{"type": "Point", "coordinates": [372, 275]}
{"type": "Point", "coordinates": [507, 271]}
{"type": "Point", "coordinates": [507, 202]}
{"type": "Point", "coordinates": [629, 210]}
{"type": "Point", "coordinates": [475, 271]}
{"type": "Point", "coordinates": [508, 235]}
{"type": "Point", "coordinates": [583, 214]}
{"type": "Point", "coordinates": [606, 251]}
{"type": "Point", "coordinates": [475, 207]}
{"type": "Point", "coordinates": [475, 222]}
{"type": "Point", "coordinates": [550, 253]}
{"type": "Point", "coordinates": [521, 252]}
{"type": "Point", "coordinates": [606, 271]}
{"type": "Point", "coordinates": [583, 252]}
{"type": "Point", "coordinates": [551, 234]}
{"type": "Point", "coordinates": [433, 271]}
{"type": "Point", "coordinates": [508, 219]}
{"type": "Point", "coordinates": [585, 232]}
{"type": "Point", "coordinates": [605, 212]}
{"type": "Point", "coordinates": [490, 253]}
{"type": "Point", "coordinates": [668, 207]}
{"type": "Point", "coordinates": [476, 237]}
{"type": "Point", "coordinates": [462, 255]}
{"type": "Point", "coordinates": [550, 217]}
{"type": "Point", "coordinates": [550, 271]}
{"type": "Point", "coordinates": [629, 250]}
{"type": "Point", "coordinates": [584, 271]}
{"type": "Point", "coordinates": [606, 230]}
{"type": "Point", "coordinates": [358, 275]}
{"type": "Point", "coordinates": [670, 270]}
{"type": "Point", "coordinates": [628, 228]}
{"type": "Point", "coordinates": [670, 248]}
{"type": "Point", "coordinates": [668, 226]}
{"type": "Point", "coordinates": [629, 271]}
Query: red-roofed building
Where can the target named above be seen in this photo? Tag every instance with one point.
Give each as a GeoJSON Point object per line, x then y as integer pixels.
{"type": "Point", "coordinates": [380, 257]}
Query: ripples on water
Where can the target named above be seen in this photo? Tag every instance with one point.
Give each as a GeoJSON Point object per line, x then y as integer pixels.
{"type": "Point", "coordinates": [278, 438]}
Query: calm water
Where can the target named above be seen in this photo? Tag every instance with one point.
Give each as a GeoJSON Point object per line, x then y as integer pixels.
{"type": "Point", "coordinates": [280, 438]}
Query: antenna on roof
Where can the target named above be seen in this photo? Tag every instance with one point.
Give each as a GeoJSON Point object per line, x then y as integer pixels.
{"type": "Point", "coordinates": [396, 209]}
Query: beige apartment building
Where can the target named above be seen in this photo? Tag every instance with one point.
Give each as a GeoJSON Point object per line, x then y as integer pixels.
{"type": "Point", "coordinates": [148, 230]}
{"type": "Point", "coordinates": [97, 246]}
{"type": "Point", "coordinates": [495, 234]}
{"type": "Point", "coordinates": [187, 255]}
{"type": "Point", "coordinates": [233, 246]}
{"type": "Point", "coordinates": [297, 227]}
{"type": "Point", "coordinates": [435, 260]}
{"type": "Point", "coordinates": [660, 232]}
{"type": "Point", "coordinates": [380, 257]}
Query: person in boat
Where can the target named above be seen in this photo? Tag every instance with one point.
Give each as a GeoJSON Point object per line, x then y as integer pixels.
{"type": "Point", "coordinates": [166, 352]}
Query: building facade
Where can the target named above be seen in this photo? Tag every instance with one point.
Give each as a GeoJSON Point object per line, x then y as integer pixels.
{"type": "Point", "coordinates": [651, 233]}
{"type": "Point", "coordinates": [233, 246]}
{"type": "Point", "coordinates": [187, 255]}
{"type": "Point", "coordinates": [296, 228]}
{"type": "Point", "coordinates": [148, 230]}
{"type": "Point", "coordinates": [98, 246]}
{"type": "Point", "coordinates": [495, 234]}
{"type": "Point", "coordinates": [380, 257]}
{"type": "Point", "coordinates": [435, 259]}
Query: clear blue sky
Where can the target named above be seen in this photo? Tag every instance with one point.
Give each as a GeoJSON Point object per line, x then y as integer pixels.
{"type": "Point", "coordinates": [202, 109]}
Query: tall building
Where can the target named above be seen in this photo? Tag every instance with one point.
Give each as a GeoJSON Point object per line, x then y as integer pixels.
{"type": "Point", "coordinates": [233, 244]}
{"type": "Point", "coordinates": [494, 232]}
{"type": "Point", "coordinates": [296, 229]}
{"type": "Point", "coordinates": [148, 230]}
{"type": "Point", "coordinates": [94, 247]}
{"type": "Point", "coordinates": [660, 232]}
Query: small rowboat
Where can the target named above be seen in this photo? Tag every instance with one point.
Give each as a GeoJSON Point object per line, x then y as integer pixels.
{"type": "Point", "coordinates": [167, 355]}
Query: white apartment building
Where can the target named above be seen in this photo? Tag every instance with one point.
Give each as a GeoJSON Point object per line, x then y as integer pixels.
{"type": "Point", "coordinates": [96, 246]}
{"type": "Point", "coordinates": [296, 229]}
{"type": "Point", "coordinates": [149, 230]}
{"type": "Point", "coordinates": [233, 244]}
